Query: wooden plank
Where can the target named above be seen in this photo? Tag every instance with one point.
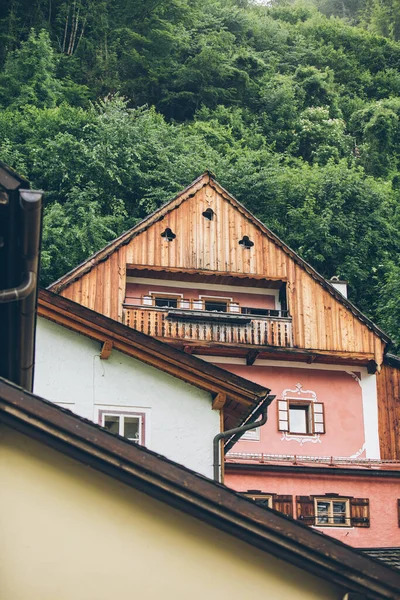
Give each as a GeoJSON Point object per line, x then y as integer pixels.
{"type": "Point", "coordinates": [219, 401]}
{"type": "Point", "coordinates": [106, 350]}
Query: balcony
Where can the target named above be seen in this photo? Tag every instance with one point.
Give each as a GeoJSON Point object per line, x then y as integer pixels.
{"type": "Point", "coordinates": [211, 327]}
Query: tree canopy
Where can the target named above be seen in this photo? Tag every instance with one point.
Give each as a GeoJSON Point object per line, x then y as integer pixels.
{"type": "Point", "coordinates": [112, 106]}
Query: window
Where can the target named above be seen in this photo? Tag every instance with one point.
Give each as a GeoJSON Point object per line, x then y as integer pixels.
{"type": "Point", "coordinates": [252, 434]}
{"type": "Point", "coordinates": [260, 312]}
{"type": "Point", "coordinates": [282, 503]}
{"type": "Point", "coordinates": [165, 300]}
{"type": "Point", "coordinates": [264, 500]}
{"type": "Point", "coordinates": [213, 305]}
{"type": "Point", "coordinates": [333, 510]}
{"type": "Point", "coordinates": [301, 417]}
{"type": "Point", "coordinates": [128, 424]}
{"type": "Point", "coordinates": [162, 302]}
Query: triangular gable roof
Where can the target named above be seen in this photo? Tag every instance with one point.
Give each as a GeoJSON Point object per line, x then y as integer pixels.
{"type": "Point", "coordinates": [207, 178]}
{"type": "Point", "coordinates": [244, 399]}
{"type": "Point", "coordinates": [196, 495]}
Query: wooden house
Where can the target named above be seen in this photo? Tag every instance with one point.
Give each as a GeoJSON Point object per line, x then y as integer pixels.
{"type": "Point", "coordinates": [204, 275]}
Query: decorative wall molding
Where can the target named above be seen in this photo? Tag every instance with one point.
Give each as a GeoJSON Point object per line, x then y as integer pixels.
{"type": "Point", "coordinates": [298, 393]}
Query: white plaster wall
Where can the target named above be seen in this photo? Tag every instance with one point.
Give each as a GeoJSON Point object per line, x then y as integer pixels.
{"type": "Point", "coordinates": [180, 422]}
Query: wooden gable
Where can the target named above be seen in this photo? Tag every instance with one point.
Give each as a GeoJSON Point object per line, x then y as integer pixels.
{"type": "Point", "coordinates": [323, 320]}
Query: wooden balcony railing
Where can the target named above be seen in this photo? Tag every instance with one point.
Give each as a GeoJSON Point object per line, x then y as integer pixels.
{"type": "Point", "coordinates": [217, 327]}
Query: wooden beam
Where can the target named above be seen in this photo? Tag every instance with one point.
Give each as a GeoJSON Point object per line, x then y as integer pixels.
{"type": "Point", "coordinates": [106, 349]}
{"type": "Point", "coordinates": [372, 367]}
{"type": "Point", "coordinates": [219, 401]}
{"type": "Point", "coordinates": [251, 357]}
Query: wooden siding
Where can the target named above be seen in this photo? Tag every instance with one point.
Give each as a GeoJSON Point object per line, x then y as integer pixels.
{"type": "Point", "coordinates": [388, 383]}
{"type": "Point", "coordinates": [320, 321]}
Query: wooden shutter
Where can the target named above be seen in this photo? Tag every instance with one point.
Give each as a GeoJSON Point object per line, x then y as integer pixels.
{"type": "Point", "coordinates": [283, 415]}
{"type": "Point", "coordinates": [284, 504]}
{"type": "Point", "coordinates": [359, 512]}
{"type": "Point", "coordinates": [398, 511]}
{"type": "Point", "coordinates": [305, 509]}
{"type": "Point", "coordinates": [318, 417]}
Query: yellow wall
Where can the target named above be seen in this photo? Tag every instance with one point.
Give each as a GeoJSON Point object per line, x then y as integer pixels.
{"type": "Point", "coordinates": [69, 533]}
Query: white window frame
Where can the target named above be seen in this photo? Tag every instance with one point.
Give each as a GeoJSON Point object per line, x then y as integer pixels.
{"type": "Point", "coordinates": [253, 435]}
{"type": "Point", "coordinates": [222, 299]}
{"type": "Point", "coordinates": [331, 514]}
{"type": "Point", "coordinates": [180, 301]}
{"type": "Point", "coordinates": [121, 411]}
{"type": "Point", "coordinates": [260, 496]}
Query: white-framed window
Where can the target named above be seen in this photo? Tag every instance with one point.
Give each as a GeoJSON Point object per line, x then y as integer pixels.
{"type": "Point", "coordinates": [251, 435]}
{"type": "Point", "coordinates": [129, 424]}
{"type": "Point", "coordinates": [165, 300]}
{"type": "Point", "coordinates": [264, 500]}
{"type": "Point", "coordinates": [333, 512]}
{"type": "Point", "coordinates": [301, 417]}
{"type": "Point", "coordinates": [215, 303]}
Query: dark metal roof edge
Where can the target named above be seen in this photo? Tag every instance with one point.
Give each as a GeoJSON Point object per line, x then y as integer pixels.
{"type": "Point", "coordinates": [308, 470]}
{"type": "Point", "coordinates": [392, 360]}
{"type": "Point", "coordinates": [196, 495]}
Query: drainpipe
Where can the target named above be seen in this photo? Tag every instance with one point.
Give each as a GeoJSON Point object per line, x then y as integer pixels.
{"type": "Point", "coordinates": [25, 293]}
{"type": "Point", "coordinates": [234, 432]}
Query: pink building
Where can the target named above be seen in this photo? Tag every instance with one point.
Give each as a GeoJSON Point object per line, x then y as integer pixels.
{"type": "Point", "coordinates": [206, 276]}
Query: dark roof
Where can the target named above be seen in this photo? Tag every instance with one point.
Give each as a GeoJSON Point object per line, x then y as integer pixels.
{"type": "Point", "coordinates": [196, 495]}
{"type": "Point", "coordinates": [390, 556]}
{"type": "Point", "coordinates": [392, 360]}
{"type": "Point", "coordinates": [244, 399]}
{"type": "Point", "coordinates": [207, 178]}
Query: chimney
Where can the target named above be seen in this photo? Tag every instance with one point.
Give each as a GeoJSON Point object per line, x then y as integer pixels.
{"type": "Point", "coordinates": [339, 285]}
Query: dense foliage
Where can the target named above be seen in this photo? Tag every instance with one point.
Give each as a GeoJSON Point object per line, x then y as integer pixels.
{"type": "Point", "coordinates": [112, 106]}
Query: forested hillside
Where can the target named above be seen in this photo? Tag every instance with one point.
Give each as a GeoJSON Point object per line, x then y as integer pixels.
{"type": "Point", "coordinates": [112, 106]}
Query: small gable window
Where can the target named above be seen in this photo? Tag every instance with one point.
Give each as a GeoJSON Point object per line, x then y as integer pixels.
{"type": "Point", "coordinates": [168, 234]}
{"type": "Point", "coordinates": [208, 214]}
{"type": "Point", "coordinates": [246, 242]}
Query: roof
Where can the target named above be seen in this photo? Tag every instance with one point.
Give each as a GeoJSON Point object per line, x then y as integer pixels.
{"type": "Point", "coordinates": [392, 360]}
{"type": "Point", "coordinates": [390, 556]}
{"type": "Point", "coordinates": [207, 178]}
{"type": "Point", "coordinates": [196, 495]}
{"type": "Point", "coordinates": [244, 399]}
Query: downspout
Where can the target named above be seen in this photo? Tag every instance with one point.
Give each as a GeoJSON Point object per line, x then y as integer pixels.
{"type": "Point", "coordinates": [237, 430]}
{"type": "Point", "coordinates": [25, 294]}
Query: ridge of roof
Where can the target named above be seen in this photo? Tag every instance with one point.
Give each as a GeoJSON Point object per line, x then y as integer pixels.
{"type": "Point", "coordinates": [159, 354]}
{"type": "Point", "coordinates": [207, 178]}
{"type": "Point", "coordinates": [196, 495]}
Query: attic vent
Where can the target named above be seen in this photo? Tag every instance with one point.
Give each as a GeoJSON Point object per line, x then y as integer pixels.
{"type": "Point", "coordinates": [168, 234]}
{"type": "Point", "coordinates": [208, 214]}
{"type": "Point", "coordinates": [246, 242]}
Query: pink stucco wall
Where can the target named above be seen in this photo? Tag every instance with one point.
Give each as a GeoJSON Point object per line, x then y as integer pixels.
{"type": "Point", "coordinates": [341, 395]}
{"type": "Point", "coordinates": [134, 293]}
{"type": "Point", "coordinates": [383, 493]}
